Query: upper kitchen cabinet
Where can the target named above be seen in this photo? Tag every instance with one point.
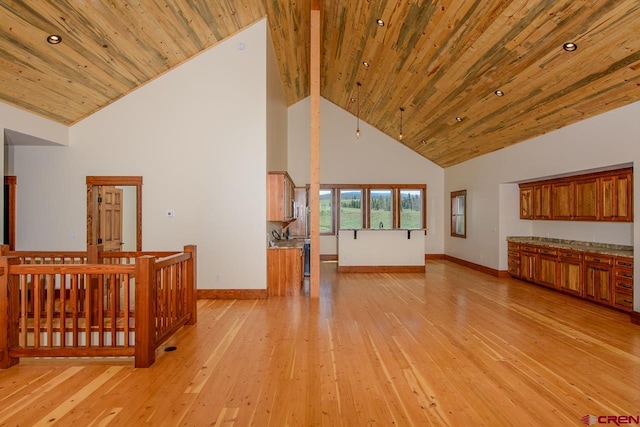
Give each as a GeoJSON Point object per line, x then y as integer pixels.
{"type": "Point", "coordinates": [602, 196]}
{"type": "Point", "coordinates": [280, 197]}
{"type": "Point", "coordinates": [526, 202]}
{"type": "Point", "coordinates": [616, 201]}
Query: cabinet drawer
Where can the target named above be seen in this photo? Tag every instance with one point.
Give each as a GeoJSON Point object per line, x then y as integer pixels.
{"type": "Point", "coordinates": [528, 248]}
{"type": "Point", "coordinates": [514, 261]}
{"type": "Point", "coordinates": [600, 259]}
{"type": "Point", "coordinates": [513, 245]}
{"type": "Point", "coordinates": [570, 255]}
{"type": "Point", "coordinates": [624, 301]}
{"type": "Point", "coordinates": [624, 285]}
{"type": "Point", "coordinates": [624, 262]}
{"type": "Point", "coordinates": [513, 254]}
{"type": "Point", "coordinates": [548, 251]}
{"type": "Point", "coordinates": [624, 274]}
{"type": "Point", "coordinates": [514, 270]}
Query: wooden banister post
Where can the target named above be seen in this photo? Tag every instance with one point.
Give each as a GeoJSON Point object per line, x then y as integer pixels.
{"type": "Point", "coordinates": [192, 284]}
{"type": "Point", "coordinates": [9, 310]}
{"type": "Point", "coordinates": [145, 297]}
{"type": "Point", "coordinates": [93, 257]}
{"type": "Point", "coordinates": [93, 254]}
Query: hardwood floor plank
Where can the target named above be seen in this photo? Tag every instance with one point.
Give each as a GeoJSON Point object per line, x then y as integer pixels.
{"type": "Point", "coordinates": [451, 347]}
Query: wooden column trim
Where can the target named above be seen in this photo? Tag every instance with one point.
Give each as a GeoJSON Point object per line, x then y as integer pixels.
{"type": "Point", "coordinates": [314, 188]}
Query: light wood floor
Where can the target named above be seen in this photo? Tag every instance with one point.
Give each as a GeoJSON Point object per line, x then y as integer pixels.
{"type": "Point", "coordinates": [449, 347]}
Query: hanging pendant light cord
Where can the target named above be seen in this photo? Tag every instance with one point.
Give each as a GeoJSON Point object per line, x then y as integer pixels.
{"type": "Point", "coordinates": [401, 111]}
{"type": "Point", "coordinates": [358, 113]}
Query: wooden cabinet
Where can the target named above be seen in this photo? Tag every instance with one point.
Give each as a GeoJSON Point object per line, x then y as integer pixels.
{"type": "Point", "coordinates": [528, 262]}
{"type": "Point", "coordinates": [623, 283]}
{"type": "Point", "coordinates": [514, 259]}
{"type": "Point", "coordinates": [605, 279]}
{"type": "Point", "coordinates": [602, 196]}
{"type": "Point", "coordinates": [542, 201]}
{"type": "Point", "coordinates": [586, 199]}
{"type": "Point", "coordinates": [562, 201]}
{"type": "Point", "coordinates": [285, 271]}
{"type": "Point", "coordinates": [547, 263]}
{"type": "Point", "coordinates": [280, 197]}
{"type": "Point", "coordinates": [526, 202]}
{"type": "Point", "coordinates": [616, 201]}
{"type": "Point", "coordinates": [570, 272]}
{"type": "Point", "coordinates": [598, 278]}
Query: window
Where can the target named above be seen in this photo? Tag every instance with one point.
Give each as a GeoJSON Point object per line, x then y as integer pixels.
{"type": "Point", "coordinates": [379, 206]}
{"type": "Point", "coordinates": [350, 209]}
{"type": "Point", "coordinates": [326, 211]}
{"type": "Point", "coordinates": [381, 214]}
{"type": "Point", "coordinates": [458, 213]}
{"type": "Point", "coordinates": [411, 209]}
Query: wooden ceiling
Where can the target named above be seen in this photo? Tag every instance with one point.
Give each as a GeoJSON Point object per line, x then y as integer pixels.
{"type": "Point", "coordinates": [439, 60]}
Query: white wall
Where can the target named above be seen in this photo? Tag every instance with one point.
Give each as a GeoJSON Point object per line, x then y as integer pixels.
{"type": "Point", "coordinates": [198, 137]}
{"type": "Point", "coordinates": [276, 114]}
{"type": "Point", "coordinates": [14, 119]}
{"type": "Point", "coordinates": [609, 139]}
{"type": "Point", "coordinates": [374, 158]}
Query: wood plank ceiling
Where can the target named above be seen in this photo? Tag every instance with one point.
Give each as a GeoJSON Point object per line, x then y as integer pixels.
{"type": "Point", "coordinates": [438, 59]}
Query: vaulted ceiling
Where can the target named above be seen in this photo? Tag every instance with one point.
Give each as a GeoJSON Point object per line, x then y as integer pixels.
{"type": "Point", "coordinates": [440, 60]}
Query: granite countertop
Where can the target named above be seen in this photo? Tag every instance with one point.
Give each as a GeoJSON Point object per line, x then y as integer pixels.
{"type": "Point", "coordinates": [576, 245]}
{"type": "Point", "coordinates": [288, 244]}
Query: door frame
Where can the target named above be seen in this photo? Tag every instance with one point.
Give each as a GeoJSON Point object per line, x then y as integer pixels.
{"type": "Point", "coordinates": [11, 182]}
{"type": "Point", "coordinates": [95, 181]}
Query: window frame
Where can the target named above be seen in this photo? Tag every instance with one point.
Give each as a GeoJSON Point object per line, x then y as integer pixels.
{"type": "Point", "coordinates": [366, 189]}
{"type": "Point", "coordinates": [456, 196]}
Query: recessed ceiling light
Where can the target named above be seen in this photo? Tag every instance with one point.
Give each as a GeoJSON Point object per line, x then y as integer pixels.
{"type": "Point", "coordinates": [54, 39]}
{"type": "Point", "coordinates": [423, 142]}
{"type": "Point", "coordinates": [366, 64]}
{"type": "Point", "coordinates": [499, 93]}
{"type": "Point", "coordinates": [459, 119]}
{"type": "Point", "coordinates": [380, 22]}
{"type": "Point", "coordinates": [569, 47]}
{"type": "Point", "coordinates": [353, 100]}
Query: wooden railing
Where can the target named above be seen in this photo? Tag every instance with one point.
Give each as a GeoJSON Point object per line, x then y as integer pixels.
{"type": "Point", "coordinates": [52, 306]}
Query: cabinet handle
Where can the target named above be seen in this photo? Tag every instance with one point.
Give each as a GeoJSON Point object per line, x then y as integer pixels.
{"type": "Point", "coordinates": [596, 260]}
{"type": "Point", "coordinates": [629, 301]}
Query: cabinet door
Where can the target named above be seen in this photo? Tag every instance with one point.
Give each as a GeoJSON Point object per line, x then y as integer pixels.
{"type": "Point", "coordinates": [597, 283]}
{"type": "Point", "coordinates": [547, 271]}
{"type": "Point", "coordinates": [542, 201]}
{"type": "Point", "coordinates": [562, 200]}
{"type": "Point", "coordinates": [586, 199]}
{"type": "Point", "coordinates": [526, 202]}
{"type": "Point", "coordinates": [616, 197]}
{"type": "Point", "coordinates": [528, 266]}
{"type": "Point", "coordinates": [570, 276]}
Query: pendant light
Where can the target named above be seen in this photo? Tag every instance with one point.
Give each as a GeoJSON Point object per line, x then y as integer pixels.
{"type": "Point", "coordinates": [401, 111]}
{"type": "Point", "coordinates": [358, 112]}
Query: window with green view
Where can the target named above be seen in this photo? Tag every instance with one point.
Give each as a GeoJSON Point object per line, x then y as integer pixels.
{"type": "Point", "coordinates": [350, 209]}
{"type": "Point", "coordinates": [326, 216]}
{"type": "Point", "coordinates": [381, 213]}
{"type": "Point", "coordinates": [411, 209]}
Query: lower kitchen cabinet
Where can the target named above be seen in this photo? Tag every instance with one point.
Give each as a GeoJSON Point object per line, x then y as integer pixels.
{"type": "Point", "coordinates": [285, 271]}
{"type": "Point", "coordinates": [598, 278]}
{"type": "Point", "coordinates": [570, 272]}
{"type": "Point", "coordinates": [605, 279]}
{"type": "Point", "coordinates": [623, 283]}
{"type": "Point", "coordinates": [547, 273]}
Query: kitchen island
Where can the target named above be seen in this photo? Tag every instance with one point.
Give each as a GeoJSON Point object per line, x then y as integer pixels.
{"type": "Point", "coordinates": [369, 250]}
